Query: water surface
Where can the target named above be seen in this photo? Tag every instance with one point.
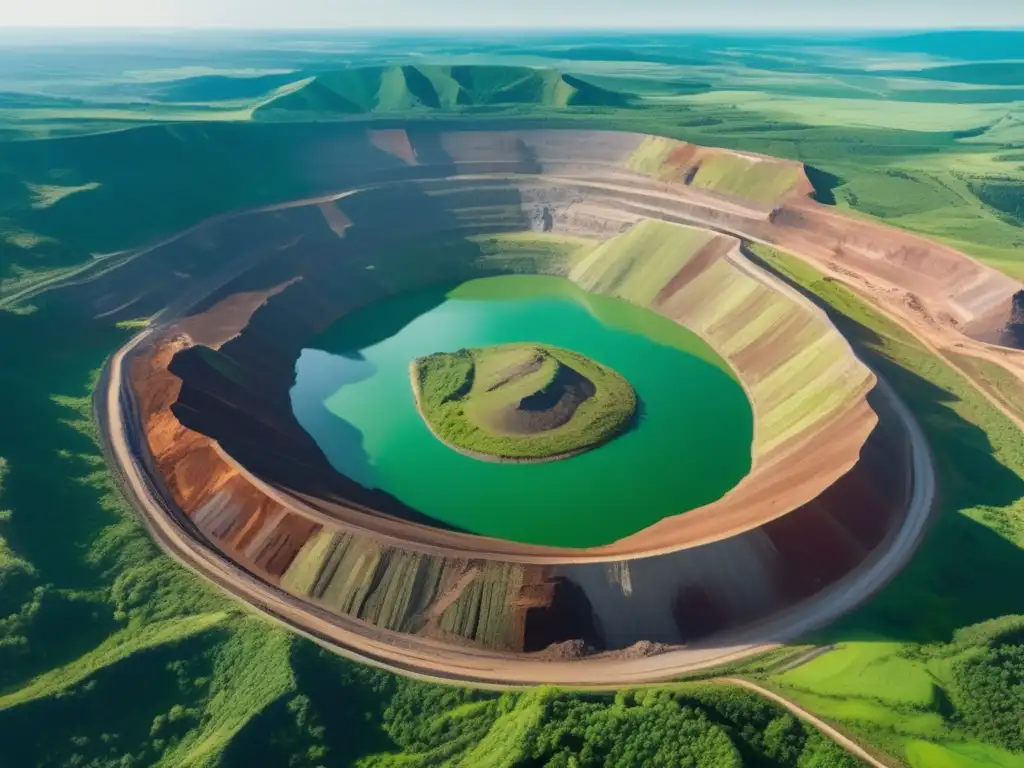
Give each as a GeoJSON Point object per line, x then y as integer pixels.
{"type": "Point", "coordinates": [689, 445]}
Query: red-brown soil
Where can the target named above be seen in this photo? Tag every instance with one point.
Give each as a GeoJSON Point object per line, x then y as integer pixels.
{"type": "Point", "coordinates": [819, 508]}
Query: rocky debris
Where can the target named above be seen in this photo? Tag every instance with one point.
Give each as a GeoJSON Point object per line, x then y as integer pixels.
{"type": "Point", "coordinates": [1014, 328]}
{"type": "Point", "coordinates": [567, 650]}
{"type": "Point", "coordinates": [643, 649]}
{"type": "Point", "coordinates": [913, 302]}
{"type": "Point", "coordinates": [833, 266]}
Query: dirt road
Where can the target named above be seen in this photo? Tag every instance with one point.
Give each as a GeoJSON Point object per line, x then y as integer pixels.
{"type": "Point", "coordinates": [421, 656]}
{"type": "Point", "coordinates": [841, 739]}
{"type": "Point", "coordinates": [433, 660]}
{"type": "Point", "coordinates": [430, 659]}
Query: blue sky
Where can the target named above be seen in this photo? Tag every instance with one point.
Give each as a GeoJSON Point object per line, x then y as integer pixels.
{"type": "Point", "coordinates": [544, 14]}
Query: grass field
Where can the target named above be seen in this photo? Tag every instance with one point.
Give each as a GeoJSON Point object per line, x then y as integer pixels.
{"type": "Point", "coordinates": [409, 88]}
{"type": "Point", "coordinates": [919, 683]}
{"type": "Point", "coordinates": [933, 156]}
{"type": "Point", "coordinates": [998, 381]}
{"type": "Point", "coordinates": [867, 670]}
{"type": "Point", "coordinates": [928, 176]}
{"type": "Point", "coordinates": [755, 180]}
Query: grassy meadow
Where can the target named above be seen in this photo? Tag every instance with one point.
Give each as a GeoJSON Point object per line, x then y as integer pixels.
{"type": "Point", "coordinates": [936, 150]}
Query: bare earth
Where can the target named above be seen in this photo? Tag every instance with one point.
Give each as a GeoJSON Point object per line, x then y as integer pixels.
{"type": "Point", "coordinates": [163, 453]}
{"type": "Point", "coordinates": [421, 657]}
{"type": "Point", "coordinates": [593, 185]}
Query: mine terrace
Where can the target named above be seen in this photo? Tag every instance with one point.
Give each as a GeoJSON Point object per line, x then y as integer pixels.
{"type": "Point", "coordinates": [197, 411]}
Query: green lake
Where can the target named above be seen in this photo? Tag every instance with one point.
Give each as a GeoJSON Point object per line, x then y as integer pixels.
{"type": "Point", "coordinates": [689, 444]}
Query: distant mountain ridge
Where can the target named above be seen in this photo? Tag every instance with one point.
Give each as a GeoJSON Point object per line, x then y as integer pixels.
{"type": "Point", "coordinates": [366, 90]}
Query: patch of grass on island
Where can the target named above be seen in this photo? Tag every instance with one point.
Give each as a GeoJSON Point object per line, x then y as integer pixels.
{"type": "Point", "coordinates": [521, 402]}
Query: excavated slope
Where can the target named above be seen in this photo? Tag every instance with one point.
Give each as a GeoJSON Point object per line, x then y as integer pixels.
{"type": "Point", "coordinates": [240, 295]}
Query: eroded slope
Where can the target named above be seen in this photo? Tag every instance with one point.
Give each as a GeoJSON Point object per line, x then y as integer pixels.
{"type": "Point", "coordinates": [827, 484]}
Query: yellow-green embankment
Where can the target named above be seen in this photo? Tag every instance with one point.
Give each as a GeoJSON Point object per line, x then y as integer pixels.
{"type": "Point", "coordinates": [752, 178]}
{"type": "Point", "coordinates": [410, 591]}
{"type": "Point", "coordinates": [798, 370]}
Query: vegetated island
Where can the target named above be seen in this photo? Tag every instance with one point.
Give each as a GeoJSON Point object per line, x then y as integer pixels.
{"type": "Point", "coordinates": [520, 403]}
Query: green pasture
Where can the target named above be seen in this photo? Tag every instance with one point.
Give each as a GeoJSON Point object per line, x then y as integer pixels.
{"type": "Point", "coordinates": [1006, 387]}
{"type": "Point", "coordinates": [944, 671]}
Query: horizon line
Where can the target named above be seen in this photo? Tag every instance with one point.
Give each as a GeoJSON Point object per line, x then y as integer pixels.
{"type": "Point", "coordinates": [656, 31]}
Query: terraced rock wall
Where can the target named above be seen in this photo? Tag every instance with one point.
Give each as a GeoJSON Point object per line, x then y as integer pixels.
{"type": "Point", "coordinates": [739, 193]}
{"type": "Point", "coordinates": [242, 295]}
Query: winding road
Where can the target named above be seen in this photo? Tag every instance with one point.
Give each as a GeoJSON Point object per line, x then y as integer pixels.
{"type": "Point", "coordinates": [433, 660]}
{"type": "Point", "coordinates": [837, 736]}
{"type": "Point", "coordinates": [497, 671]}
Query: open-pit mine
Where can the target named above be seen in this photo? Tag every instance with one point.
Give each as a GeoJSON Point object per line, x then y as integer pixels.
{"type": "Point", "coordinates": [269, 437]}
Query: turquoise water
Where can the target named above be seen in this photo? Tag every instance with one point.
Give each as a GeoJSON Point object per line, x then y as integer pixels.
{"type": "Point", "coordinates": [690, 443]}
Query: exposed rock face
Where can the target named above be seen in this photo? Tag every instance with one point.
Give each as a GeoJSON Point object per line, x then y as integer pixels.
{"type": "Point", "coordinates": [550, 407]}
{"type": "Point", "coordinates": [565, 617]}
{"type": "Point", "coordinates": [828, 489]}
{"type": "Point", "coordinates": [1014, 328]}
{"type": "Point", "coordinates": [252, 420]}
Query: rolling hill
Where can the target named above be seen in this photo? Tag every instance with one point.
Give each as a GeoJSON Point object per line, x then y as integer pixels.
{"type": "Point", "coordinates": [368, 90]}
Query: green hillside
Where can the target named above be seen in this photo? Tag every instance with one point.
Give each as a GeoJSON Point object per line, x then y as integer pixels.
{"type": "Point", "coordinates": [975, 73]}
{"type": "Point", "coordinates": [214, 88]}
{"type": "Point", "coordinates": [368, 90]}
